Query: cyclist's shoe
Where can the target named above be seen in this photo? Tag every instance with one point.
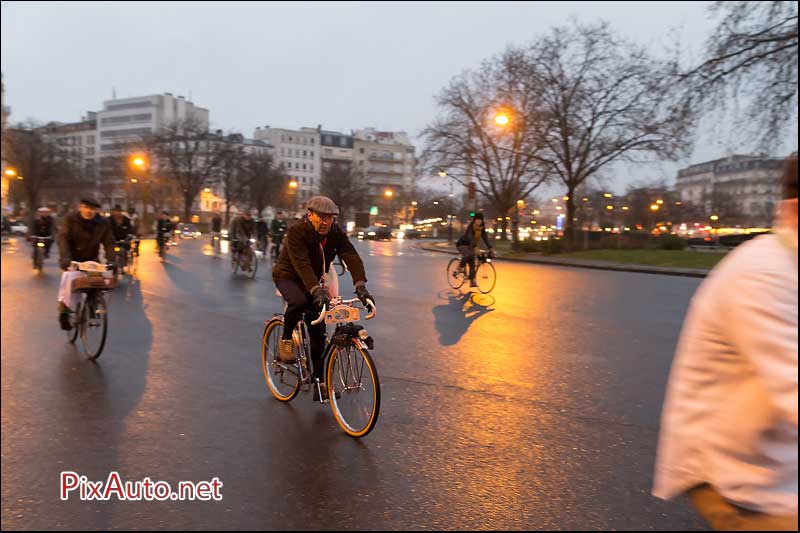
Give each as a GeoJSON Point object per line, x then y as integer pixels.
{"type": "Point", "coordinates": [63, 319]}
{"type": "Point", "coordinates": [324, 390]}
{"type": "Point", "coordinates": [286, 351]}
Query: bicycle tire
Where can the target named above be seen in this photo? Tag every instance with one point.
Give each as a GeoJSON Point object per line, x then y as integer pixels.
{"type": "Point", "coordinates": [75, 319]}
{"type": "Point", "coordinates": [455, 281]}
{"type": "Point", "coordinates": [38, 258]}
{"type": "Point", "coordinates": [253, 265]}
{"type": "Point", "coordinates": [338, 379]}
{"type": "Point", "coordinates": [94, 301]}
{"type": "Point", "coordinates": [486, 277]}
{"type": "Point", "coordinates": [270, 364]}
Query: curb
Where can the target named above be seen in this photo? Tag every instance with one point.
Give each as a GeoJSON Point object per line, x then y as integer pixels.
{"type": "Point", "coordinates": [617, 267]}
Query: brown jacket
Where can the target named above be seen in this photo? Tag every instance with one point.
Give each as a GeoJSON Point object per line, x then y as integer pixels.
{"type": "Point", "coordinates": [301, 256]}
{"type": "Point", "coordinates": [80, 240]}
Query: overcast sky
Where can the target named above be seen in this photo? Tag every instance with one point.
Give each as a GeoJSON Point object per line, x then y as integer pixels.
{"type": "Point", "coordinates": [344, 65]}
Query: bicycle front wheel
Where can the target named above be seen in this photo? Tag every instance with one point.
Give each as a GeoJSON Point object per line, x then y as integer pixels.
{"type": "Point", "coordinates": [283, 380]}
{"type": "Point", "coordinates": [94, 325]}
{"type": "Point", "coordinates": [455, 274]}
{"type": "Point", "coordinates": [38, 258]}
{"type": "Point", "coordinates": [75, 320]}
{"type": "Point", "coordinates": [253, 265]}
{"type": "Point", "coordinates": [351, 375]}
{"type": "Point", "coordinates": [486, 277]}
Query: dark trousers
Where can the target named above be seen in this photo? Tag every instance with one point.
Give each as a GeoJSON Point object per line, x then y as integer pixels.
{"type": "Point", "coordinates": [300, 303]}
{"type": "Point", "coordinates": [468, 258]}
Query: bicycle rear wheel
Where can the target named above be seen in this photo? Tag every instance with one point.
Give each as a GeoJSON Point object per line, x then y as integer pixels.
{"type": "Point", "coordinates": [38, 258]}
{"type": "Point", "coordinates": [283, 380]}
{"type": "Point", "coordinates": [351, 373]}
{"type": "Point", "coordinates": [94, 326]}
{"type": "Point", "coordinates": [455, 275]}
{"type": "Point", "coordinates": [486, 277]}
{"type": "Point", "coordinates": [253, 265]}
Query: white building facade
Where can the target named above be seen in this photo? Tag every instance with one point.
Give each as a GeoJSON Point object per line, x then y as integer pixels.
{"type": "Point", "coordinates": [299, 153]}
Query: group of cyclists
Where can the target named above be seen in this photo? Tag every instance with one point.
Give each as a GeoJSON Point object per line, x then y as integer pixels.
{"type": "Point", "coordinates": [246, 229]}
{"type": "Point", "coordinates": [300, 267]}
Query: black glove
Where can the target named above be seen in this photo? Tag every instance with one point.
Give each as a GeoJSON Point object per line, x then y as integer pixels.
{"type": "Point", "coordinates": [321, 297]}
{"type": "Point", "coordinates": [364, 295]}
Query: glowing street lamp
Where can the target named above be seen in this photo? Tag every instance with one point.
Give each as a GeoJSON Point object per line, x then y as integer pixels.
{"type": "Point", "coordinates": [502, 119]}
{"type": "Point", "coordinates": [608, 195]}
{"type": "Point", "coordinates": [293, 184]}
{"type": "Point", "coordinates": [388, 193]}
{"type": "Point", "coordinates": [714, 217]}
{"type": "Point", "coordinates": [442, 174]}
{"type": "Point", "coordinates": [659, 202]}
{"type": "Point", "coordinates": [414, 203]}
{"type": "Point", "coordinates": [10, 172]}
{"type": "Point", "coordinates": [654, 207]}
{"type": "Point", "coordinates": [207, 189]}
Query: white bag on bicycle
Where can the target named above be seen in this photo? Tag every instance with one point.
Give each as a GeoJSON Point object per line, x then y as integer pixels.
{"type": "Point", "coordinates": [332, 281]}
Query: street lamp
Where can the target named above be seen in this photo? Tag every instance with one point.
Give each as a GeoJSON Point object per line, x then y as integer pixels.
{"type": "Point", "coordinates": [293, 184]}
{"type": "Point", "coordinates": [10, 172]}
{"type": "Point", "coordinates": [388, 193]}
{"type": "Point", "coordinates": [654, 207]}
{"type": "Point", "coordinates": [207, 189]}
{"type": "Point", "coordinates": [442, 174]}
{"type": "Point", "coordinates": [659, 202]}
{"type": "Point", "coordinates": [502, 119]}
{"type": "Point", "coordinates": [608, 195]}
{"type": "Point", "coordinates": [714, 217]}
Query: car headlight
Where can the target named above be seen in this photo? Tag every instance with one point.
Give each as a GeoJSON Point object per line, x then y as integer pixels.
{"type": "Point", "coordinates": [252, 240]}
{"type": "Point", "coordinates": [371, 233]}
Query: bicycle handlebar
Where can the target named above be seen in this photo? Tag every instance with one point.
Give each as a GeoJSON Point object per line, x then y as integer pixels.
{"type": "Point", "coordinates": [369, 316]}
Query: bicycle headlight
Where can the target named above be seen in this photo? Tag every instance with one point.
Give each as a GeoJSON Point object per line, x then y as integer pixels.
{"type": "Point", "coordinates": [116, 248]}
{"type": "Point", "coordinates": [363, 335]}
{"type": "Point", "coordinates": [40, 244]}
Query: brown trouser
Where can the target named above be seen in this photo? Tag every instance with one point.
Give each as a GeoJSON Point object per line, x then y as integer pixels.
{"type": "Point", "coordinates": [724, 516]}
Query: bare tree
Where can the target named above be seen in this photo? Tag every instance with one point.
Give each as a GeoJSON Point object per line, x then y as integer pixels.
{"type": "Point", "coordinates": [189, 156]}
{"type": "Point", "coordinates": [601, 100]}
{"type": "Point", "coordinates": [231, 174]}
{"type": "Point", "coordinates": [752, 53]}
{"type": "Point", "coordinates": [39, 161]}
{"type": "Point", "coordinates": [263, 181]}
{"type": "Point", "coordinates": [465, 141]}
{"type": "Point", "coordinates": [345, 186]}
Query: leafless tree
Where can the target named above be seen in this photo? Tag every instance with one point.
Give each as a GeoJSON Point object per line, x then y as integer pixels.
{"type": "Point", "coordinates": [263, 181]}
{"type": "Point", "coordinates": [466, 143]}
{"type": "Point", "coordinates": [40, 162]}
{"type": "Point", "coordinates": [345, 186]}
{"type": "Point", "coordinates": [231, 175]}
{"type": "Point", "coordinates": [601, 100]}
{"type": "Point", "coordinates": [189, 156]}
{"type": "Point", "coordinates": [751, 53]}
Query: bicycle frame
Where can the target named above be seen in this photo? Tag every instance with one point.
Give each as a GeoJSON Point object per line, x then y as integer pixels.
{"type": "Point", "coordinates": [301, 339]}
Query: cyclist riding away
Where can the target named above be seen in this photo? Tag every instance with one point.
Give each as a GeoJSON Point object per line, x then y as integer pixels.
{"type": "Point", "coordinates": [311, 245]}
{"type": "Point", "coordinates": [278, 229]}
{"type": "Point", "coordinates": [164, 228]}
{"type": "Point", "coordinates": [43, 226]}
{"type": "Point", "coordinates": [80, 238]}
{"type": "Point", "coordinates": [469, 242]}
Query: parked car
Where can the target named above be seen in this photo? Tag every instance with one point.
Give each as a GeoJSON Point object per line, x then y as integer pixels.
{"type": "Point", "coordinates": [18, 228]}
{"type": "Point", "coordinates": [188, 231]}
{"type": "Point", "coordinates": [376, 233]}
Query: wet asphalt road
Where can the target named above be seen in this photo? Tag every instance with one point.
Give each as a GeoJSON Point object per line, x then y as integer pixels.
{"type": "Point", "coordinates": [534, 408]}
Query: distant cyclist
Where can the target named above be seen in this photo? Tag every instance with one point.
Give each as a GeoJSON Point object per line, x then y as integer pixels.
{"type": "Point", "coordinates": [469, 242]}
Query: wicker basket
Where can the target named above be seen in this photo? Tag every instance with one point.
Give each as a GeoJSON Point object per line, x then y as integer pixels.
{"type": "Point", "coordinates": [93, 283]}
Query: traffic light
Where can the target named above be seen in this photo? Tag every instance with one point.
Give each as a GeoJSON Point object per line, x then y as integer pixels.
{"type": "Point", "coordinates": [471, 189]}
{"type": "Point", "coordinates": [472, 214]}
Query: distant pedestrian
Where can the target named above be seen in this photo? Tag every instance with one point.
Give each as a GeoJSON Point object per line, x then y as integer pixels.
{"type": "Point", "coordinates": [729, 426]}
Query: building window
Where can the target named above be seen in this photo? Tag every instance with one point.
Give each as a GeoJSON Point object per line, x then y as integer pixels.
{"type": "Point", "coordinates": [312, 142]}
{"type": "Point", "coordinates": [304, 153]}
{"type": "Point", "coordinates": [343, 141]}
{"type": "Point", "coordinates": [361, 150]}
{"type": "Point", "coordinates": [304, 180]}
{"type": "Point", "coordinates": [312, 153]}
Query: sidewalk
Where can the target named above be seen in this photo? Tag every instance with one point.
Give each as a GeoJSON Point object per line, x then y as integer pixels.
{"type": "Point", "coordinates": [521, 257]}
